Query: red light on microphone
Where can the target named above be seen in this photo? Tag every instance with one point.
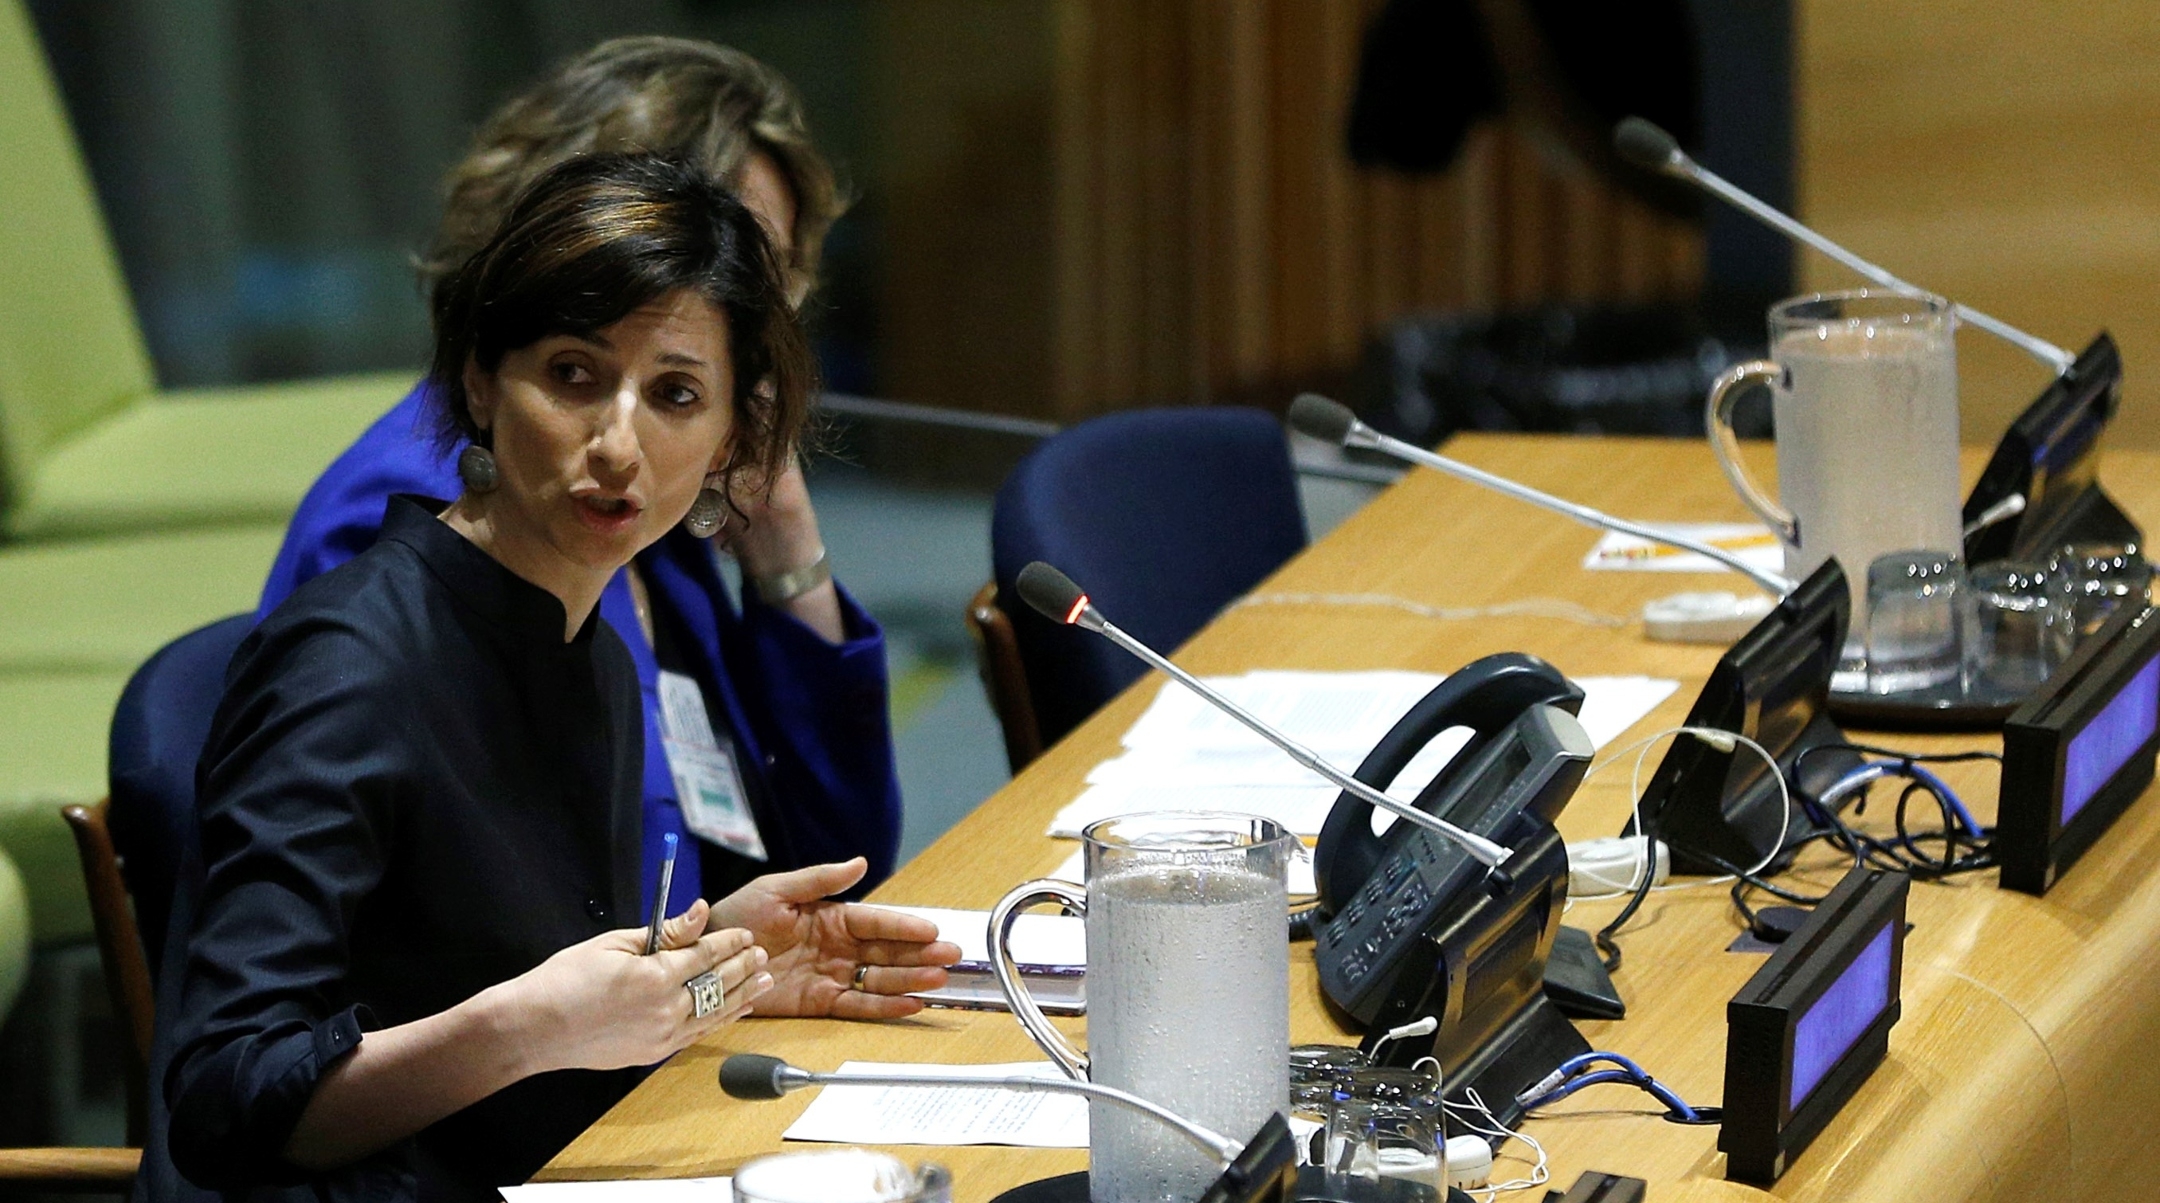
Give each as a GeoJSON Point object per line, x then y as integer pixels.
{"type": "Point", "coordinates": [1079, 607]}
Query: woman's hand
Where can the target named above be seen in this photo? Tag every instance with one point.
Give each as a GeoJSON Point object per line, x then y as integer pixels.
{"type": "Point", "coordinates": [782, 536]}
{"type": "Point", "coordinates": [817, 945]}
{"type": "Point", "coordinates": [603, 1005]}
{"type": "Point", "coordinates": [782, 532]}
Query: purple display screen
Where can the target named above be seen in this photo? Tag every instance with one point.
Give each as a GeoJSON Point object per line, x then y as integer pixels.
{"type": "Point", "coordinates": [2110, 739]}
{"type": "Point", "coordinates": [1839, 1015]}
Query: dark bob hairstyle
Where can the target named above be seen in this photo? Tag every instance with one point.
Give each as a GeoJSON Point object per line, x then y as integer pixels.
{"type": "Point", "coordinates": [598, 236]}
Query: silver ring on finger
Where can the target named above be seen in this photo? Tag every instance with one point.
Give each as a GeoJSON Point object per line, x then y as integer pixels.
{"type": "Point", "coordinates": [862, 974]}
{"type": "Point", "coordinates": [707, 995]}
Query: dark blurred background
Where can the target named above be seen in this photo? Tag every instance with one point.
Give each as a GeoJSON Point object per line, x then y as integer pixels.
{"type": "Point", "coordinates": [1061, 207]}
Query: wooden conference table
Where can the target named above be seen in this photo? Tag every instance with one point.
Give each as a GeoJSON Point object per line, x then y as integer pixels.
{"type": "Point", "coordinates": [2023, 1066]}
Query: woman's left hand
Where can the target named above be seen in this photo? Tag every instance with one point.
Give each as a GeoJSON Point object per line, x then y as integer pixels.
{"type": "Point", "coordinates": [816, 946]}
{"type": "Point", "coordinates": [781, 536]}
{"type": "Point", "coordinates": [779, 531]}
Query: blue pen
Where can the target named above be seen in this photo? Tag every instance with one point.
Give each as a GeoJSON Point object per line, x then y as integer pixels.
{"type": "Point", "coordinates": [669, 843]}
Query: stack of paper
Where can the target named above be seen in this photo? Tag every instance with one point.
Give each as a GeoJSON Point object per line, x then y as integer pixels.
{"type": "Point", "coordinates": [1183, 754]}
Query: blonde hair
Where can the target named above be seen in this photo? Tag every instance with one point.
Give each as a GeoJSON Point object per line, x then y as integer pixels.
{"type": "Point", "coordinates": [711, 106]}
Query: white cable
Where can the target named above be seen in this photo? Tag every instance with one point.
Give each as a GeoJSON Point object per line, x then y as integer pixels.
{"type": "Point", "coordinates": [1536, 607]}
{"type": "Point", "coordinates": [1721, 740]}
{"type": "Point", "coordinates": [1540, 1171]}
{"type": "Point", "coordinates": [1416, 1027]}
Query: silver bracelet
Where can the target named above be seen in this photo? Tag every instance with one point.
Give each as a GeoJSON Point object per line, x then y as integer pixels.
{"type": "Point", "coordinates": [784, 587]}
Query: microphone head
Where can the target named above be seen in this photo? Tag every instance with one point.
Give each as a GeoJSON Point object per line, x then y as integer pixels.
{"type": "Point", "coordinates": [752, 1076]}
{"type": "Point", "coordinates": [1052, 593]}
{"type": "Point", "coordinates": [1329, 421]}
{"type": "Point", "coordinates": [1645, 144]}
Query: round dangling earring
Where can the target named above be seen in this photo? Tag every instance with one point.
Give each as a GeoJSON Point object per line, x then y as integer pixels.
{"type": "Point", "coordinates": [708, 514]}
{"type": "Point", "coordinates": [476, 467]}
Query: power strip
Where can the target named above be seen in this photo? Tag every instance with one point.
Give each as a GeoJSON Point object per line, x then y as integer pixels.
{"type": "Point", "coordinates": [1612, 863]}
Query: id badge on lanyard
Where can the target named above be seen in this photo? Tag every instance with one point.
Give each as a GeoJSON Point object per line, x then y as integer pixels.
{"type": "Point", "coordinates": [708, 785]}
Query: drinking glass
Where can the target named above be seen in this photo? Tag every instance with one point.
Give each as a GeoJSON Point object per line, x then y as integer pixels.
{"type": "Point", "coordinates": [2101, 577]}
{"type": "Point", "coordinates": [1318, 1070]}
{"type": "Point", "coordinates": [1401, 1141]}
{"type": "Point", "coordinates": [2024, 622]}
{"type": "Point", "coordinates": [1864, 396]}
{"type": "Point", "coordinates": [1188, 990]}
{"type": "Point", "coordinates": [1915, 623]}
{"type": "Point", "coordinates": [840, 1176]}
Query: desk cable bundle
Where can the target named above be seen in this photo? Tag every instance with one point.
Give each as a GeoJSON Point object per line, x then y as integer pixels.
{"type": "Point", "coordinates": [1643, 855]}
{"type": "Point", "coordinates": [1966, 845]}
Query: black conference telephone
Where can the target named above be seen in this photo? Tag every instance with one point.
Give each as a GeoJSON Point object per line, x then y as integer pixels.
{"type": "Point", "coordinates": [1410, 926]}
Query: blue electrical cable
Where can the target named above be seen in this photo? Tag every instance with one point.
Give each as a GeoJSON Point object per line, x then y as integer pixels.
{"type": "Point", "coordinates": [1875, 770]}
{"type": "Point", "coordinates": [1570, 1078]}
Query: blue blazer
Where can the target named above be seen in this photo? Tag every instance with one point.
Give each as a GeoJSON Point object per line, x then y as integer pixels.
{"type": "Point", "coordinates": [810, 719]}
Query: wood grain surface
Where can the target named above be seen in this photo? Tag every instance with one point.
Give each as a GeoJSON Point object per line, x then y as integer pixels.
{"type": "Point", "coordinates": [2020, 1067]}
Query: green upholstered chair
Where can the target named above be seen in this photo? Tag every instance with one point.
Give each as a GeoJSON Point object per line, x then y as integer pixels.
{"type": "Point", "coordinates": [87, 443]}
{"type": "Point", "coordinates": [52, 752]}
{"type": "Point", "coordinates": [14, 935]}
{"type": "Point", "coordinates": [76, 618]}
{"type": "Point", "coordinates": [133, 515]}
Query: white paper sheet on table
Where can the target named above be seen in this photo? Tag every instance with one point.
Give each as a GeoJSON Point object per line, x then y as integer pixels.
{"type": "Point", "coordinates": [940, 1115]}
{"type": "Point", "coordinates": [1751, 541]}
{"type": "Point", "coordinates": [653, 1190]}
{"type": "Point", "coordinates": [1039, 939]}
{"type": "Point", "coordinates": [1184, 755]}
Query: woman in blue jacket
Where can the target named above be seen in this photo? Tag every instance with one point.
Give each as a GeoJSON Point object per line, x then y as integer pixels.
{"type": "Point", "coordinates": [767, 734]}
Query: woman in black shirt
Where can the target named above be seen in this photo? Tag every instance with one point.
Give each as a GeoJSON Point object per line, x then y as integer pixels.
{"type": "Point", "coordinates": [414, 970]}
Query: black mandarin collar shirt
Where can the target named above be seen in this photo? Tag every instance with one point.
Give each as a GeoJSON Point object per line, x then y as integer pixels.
{"type": "Point", "coordinates": [414, 789]}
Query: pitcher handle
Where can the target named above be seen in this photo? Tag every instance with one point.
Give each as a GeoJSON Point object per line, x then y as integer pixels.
{"type": "Point", "coordinates": [1022, 896]}
{"type": "Point", "coordinates": [1717, 417]}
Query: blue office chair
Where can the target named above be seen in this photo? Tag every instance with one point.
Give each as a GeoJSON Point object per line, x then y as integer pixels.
{"type": "Point", "coordinates": [157, 735]}
{"type": "Point", "coordinates": [140, 842]}
{"type": "Point", "coordinates": [1164, 516]}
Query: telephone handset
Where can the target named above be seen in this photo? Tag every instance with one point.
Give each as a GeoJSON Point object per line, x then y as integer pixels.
{"type": "Point", "coordinates": [1485, 696]}
{"type": "Point", "coordinates": [1411, 929]}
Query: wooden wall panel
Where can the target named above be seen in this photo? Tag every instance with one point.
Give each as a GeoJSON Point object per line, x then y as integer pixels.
{"type": "Point", "coordinates": [1205, 235]}
{"type": "Point", "coordinates": [2002, 153]}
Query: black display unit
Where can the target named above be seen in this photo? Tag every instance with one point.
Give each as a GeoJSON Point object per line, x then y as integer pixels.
{"type": "Point", "coordinates": [2051, 456]}
{"type": "Point", "coordinates": [1773, 686]}
{"type": "Point", "coordinates": [2080, 751]}
{"type": "Point", "coordinates": [1812, 1024]}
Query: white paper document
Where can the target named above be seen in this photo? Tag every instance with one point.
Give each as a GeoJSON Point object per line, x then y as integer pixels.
{"type": "Point", "coordinates": [1183, 754]}
{"type": "Point", "coordinates": [1750, 541]}
{"type": "Point", "coordinates": [1042, 939]}
{"type": "Point", "coordinates": [654, 1190]}
{"type": "Point", "coordinates": [942, 1115]}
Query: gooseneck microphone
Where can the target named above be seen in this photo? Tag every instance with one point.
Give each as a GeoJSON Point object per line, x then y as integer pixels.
{"type": "Point", "coordinates": [1333, 422]}
{"type": "Point", "coordinates": [1647, 146]}
{"type": "Point", "coordinates": [1057, 598]}
{"type": "Point", "coordinates": [757, 1076]}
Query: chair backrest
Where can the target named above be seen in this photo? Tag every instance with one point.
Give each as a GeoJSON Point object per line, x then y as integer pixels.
{"type": "Point", "coordinates": [157, 736]}
{"type": "Point", "coordinates": [1004, 676]}
{"type": "Point", "coordinates": [1164, 516]}
{"type": "Point", "coordinates": [120, 950]}
{"type": "Point", "coordinates": [70, 350]}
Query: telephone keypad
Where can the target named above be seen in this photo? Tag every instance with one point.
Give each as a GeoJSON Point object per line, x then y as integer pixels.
{"type": "Point", "coordinates": [1525, 771]}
